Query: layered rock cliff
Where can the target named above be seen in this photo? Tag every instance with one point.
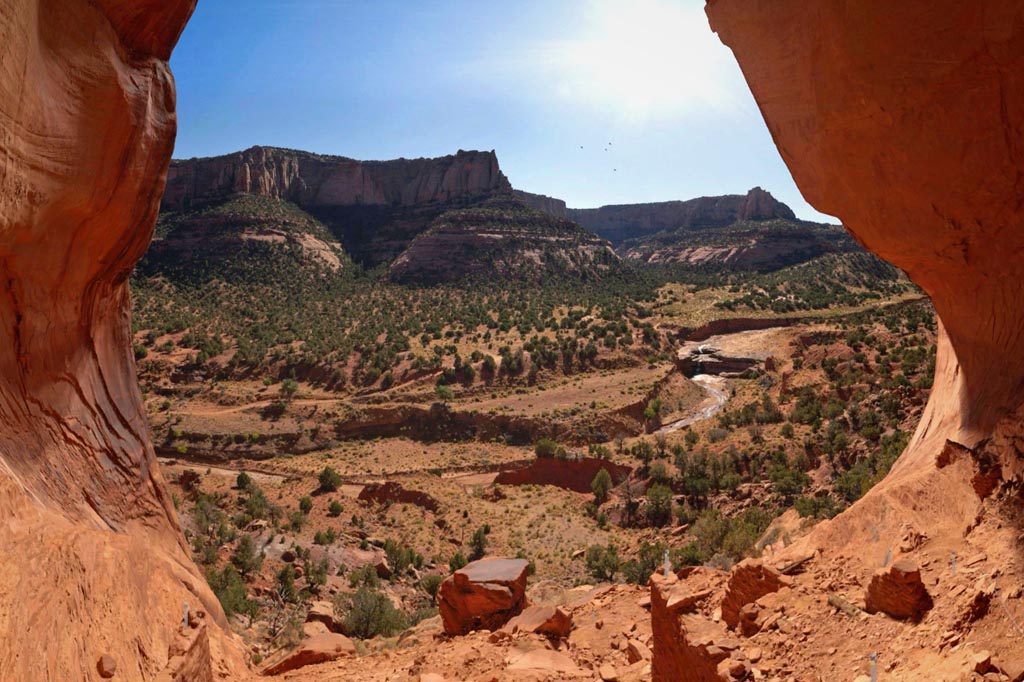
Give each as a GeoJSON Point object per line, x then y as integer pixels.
{"type": "Point", "coordinates": [312, 180]}
{"type": "Point", "coordinates": [542, 202]}
{"type": "Point", "coordinates": [374, 207]}
{"type": "Point", "coordinates": [94, 560]}
{"type": "Point", "coordinates": [630, 221]}
{"type": "Point", "coordinates": [503, 237]}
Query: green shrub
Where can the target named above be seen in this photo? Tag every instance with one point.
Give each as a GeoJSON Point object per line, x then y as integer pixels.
{"type": "Point", "coordinates": [366, 575]}
{"type": "Point", "coordinates": [245, 558]}
{"type": "Point", "coordinates": [329, 480]}
{"type": "Point", "coordinates": [431, 583]}
{"type": "Point", "coordinates": [547, 449]}
{"type": "Point", "coordinates": [227, 585]}
{"type": "Point", "coordinates": [601, 485]}
{"type": "Point", "coordinates": [478, 544]}
{"type": "Point", "coordinates": [369, 613]}
{"type": "Point", "coordinates": [659, 505]}
{"type": "Point", "coordinates": [649, 558]}
{"type": "Point", "coordinates": [824, 507]}
{"type": "Point", "coordinates": [602, 562]}
{"type": "Point", "coordinates": [286, 584]}
{"type": "Point", "coordinates": [243, 481]}
{"type": "Point", "coordinates": [457, 561]}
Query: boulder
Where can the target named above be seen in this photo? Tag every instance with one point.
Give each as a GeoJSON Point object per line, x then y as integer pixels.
{"type": "Point", "coordinates": [383, 569]}
{"type": "Point", "coordinates": [750, 580]}
{"type": "Point", "coordinates": [898, 592]}
{"type": "Point", "coordinates": [314, 628]}
{"type": "Point", "coordinates": [483, 595]}
{"type": "Point", "coordinates": [313, 650]}
{"type": "Point", "coordinates": [323, 612]}
{"type": "Point", "coordinates": [551, 662]}
{"type": "Point", "coordinates": [543, 620]}
{"type": "Point", "coordinates": [106, 666]}
{"type": "Point", "coordinates": [637, 651]}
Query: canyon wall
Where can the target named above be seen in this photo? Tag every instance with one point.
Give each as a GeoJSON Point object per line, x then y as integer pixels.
{"type": "Point", "coordinates": [542, 202]}
{"type": "Point", "coordinates": [628, 221]}
{"type": "Point", "coordinates": [94, 560]}
{"type": "Point", "coordinates": [906, 121]}
{"type": "Point", "coordinates": [375, 208]}
{"type": "Point", "coordinates": [315, 180]}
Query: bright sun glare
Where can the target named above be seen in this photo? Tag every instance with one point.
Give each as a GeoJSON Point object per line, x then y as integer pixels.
{"type": "Point", "coordinates": [646, 59]}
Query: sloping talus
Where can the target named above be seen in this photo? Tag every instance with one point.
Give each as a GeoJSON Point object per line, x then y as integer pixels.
{"type": "Point", "coordinates": [906, 121]}
{"type": "Point", "coordinates": [94, 560]}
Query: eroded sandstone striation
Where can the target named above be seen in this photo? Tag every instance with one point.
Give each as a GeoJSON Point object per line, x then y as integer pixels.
{"type": "Point", "coordinates": [93, 550]}
{"type": "Point", "coordinates": [916, 141]}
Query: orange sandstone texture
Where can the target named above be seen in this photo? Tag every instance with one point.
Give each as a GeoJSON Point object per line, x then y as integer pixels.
{"type": "Point", "coordinates": [94, 560]}
{"type": "Point", "coordinates": [906, 120]}
{"type": "Point", "coordinates": [483, 595]}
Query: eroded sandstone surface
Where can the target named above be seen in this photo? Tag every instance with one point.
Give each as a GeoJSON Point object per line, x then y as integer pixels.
{"type": "Point", "coordinates": [95, 564]}
{"type": "Point", "coordinates": [914, 139]}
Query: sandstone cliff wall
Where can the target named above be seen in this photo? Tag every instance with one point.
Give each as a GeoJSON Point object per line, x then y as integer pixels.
{"type": "Point", "coordinates": [906, 120]}
{"type": "Point", "coordinates": [314, 180]}
{"type": "Point", "coordinates": [627, 221]}
{"type": "Point", "coordinates": [94, 561]}
{"type": "Point", "coordinates": [541, 202]}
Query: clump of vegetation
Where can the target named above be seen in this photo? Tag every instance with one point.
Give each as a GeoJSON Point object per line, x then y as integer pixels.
{"type": "Point", "coordinates": [546, 448]}
{"type": "Point", "coordinates": [601, 486]}
{"type": "Point", "coordinates": [659, 505]}
{"type": "Point", "coordinates": [478, 543]}
{"type": "Point", "coordinates": [329, 480]}
{"type": "Point", "coordinates": [369, 613]}
{"type": "Point", "coordinates": [602, 562]}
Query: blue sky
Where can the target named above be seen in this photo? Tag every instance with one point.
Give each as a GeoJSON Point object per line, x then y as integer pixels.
{"type": "Point", "coordinates": [656, 102]}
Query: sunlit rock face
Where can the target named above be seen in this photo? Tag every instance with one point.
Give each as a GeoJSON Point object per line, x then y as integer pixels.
{"type": "Point", "coordinates": [906, 121]}
{"type": "Point", "coordinates": [94, 561]}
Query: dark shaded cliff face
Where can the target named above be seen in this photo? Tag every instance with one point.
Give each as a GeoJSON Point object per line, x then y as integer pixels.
{"type": "Point", "coordinates": [374, 207]}
{"type": "Point", "coordinates": [631, 221]}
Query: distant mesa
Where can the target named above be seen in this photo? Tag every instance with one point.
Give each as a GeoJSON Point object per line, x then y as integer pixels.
{"type": "Point", "coordinates": [617, 223]}
{"type": "Point", "coordinates": [427, 221]}
{"type": "Point", "coordinates": [450, 219]}
{"type": "Point", "coordinates": [374, 208]}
